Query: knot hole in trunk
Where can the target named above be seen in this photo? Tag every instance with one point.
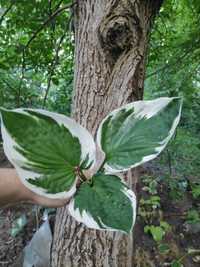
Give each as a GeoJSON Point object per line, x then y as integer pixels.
{"type": "Point", "coordinates": [118, 34]}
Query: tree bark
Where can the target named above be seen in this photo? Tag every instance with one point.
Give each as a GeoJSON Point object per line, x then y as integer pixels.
{"type": "Point", "coordinates": [111, 38]}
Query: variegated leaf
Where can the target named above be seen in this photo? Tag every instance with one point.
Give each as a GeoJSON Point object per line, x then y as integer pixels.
{"type": "Point", "coordinates": [137, 132]}
{"type": "Point", "coordinates": [46, 148]}
{"type": "Point", "coordinates": [105, 203]}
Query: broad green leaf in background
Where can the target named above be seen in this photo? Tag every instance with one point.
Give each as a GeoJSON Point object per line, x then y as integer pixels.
{"type": "Point", "coordinates": [46, 148]}
{"type": "Point", "coordinates": [156, 231]}
{"type": "Point", "coordinates": [104, 203]}
{"type": "Point", "coordinates": [137, 132]}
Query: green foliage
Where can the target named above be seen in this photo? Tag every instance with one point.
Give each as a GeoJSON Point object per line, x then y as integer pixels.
{"type": "Point", "coordinates": [195, 190]}
{"type": "Point", "coordinates": [43, 148]}
{"type": "Point", "coordinates": [164, 248]}
{"type": "Point", "coordinates": [173, 66]}
{"type": "Point", "coordinates": [107, 200]}
{"type": "Point", "coordinates": [150, 183]}
{"type": "Point", "coordinates": [181, 164]}
{"type": "Point", "coordinates": [157, 232]}
{"type": "Point", "coordinates": [193, 217]}
{"type": "Point", "coordinates": [173, 69]}
{"type": "Point", "coordinates": [138, 132]}
{"type": "Point", "coordinates": [149, 209]}
{"type": "Point", "coordinates": [36, 55]}
{"type": "Point", "coordinates": [176, 185]}
{"type": "Point", "coordinates": [152, 202]}
{"type": "Point", "coordinates": [184, 152]}
{"type": "Point", "coordinates": [44, 155]}
{"type": "Point", "coordinates": [176, 263]}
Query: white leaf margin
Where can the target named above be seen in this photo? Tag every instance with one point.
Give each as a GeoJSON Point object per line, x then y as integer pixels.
{"type": "Point", "coordinates": [86, 218]}
{"type": "Point", "coordinates": [85, 138]}
{"type": "Point", "coordinates": [142, 108]}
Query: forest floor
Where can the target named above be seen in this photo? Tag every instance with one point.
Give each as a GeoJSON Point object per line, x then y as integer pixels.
{"type": "Point", "coordinates": [169, 239]}
{"type": "Point", "coordinates": [172, 239]}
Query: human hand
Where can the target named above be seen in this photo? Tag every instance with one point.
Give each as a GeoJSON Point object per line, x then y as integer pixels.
{"type": "Point", "coordinates": [13, 191]}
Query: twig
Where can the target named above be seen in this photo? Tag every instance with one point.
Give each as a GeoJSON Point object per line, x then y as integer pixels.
{"type": "Point", "coordinates": [46, 22]}
{"type": "Point", "coordinates": [52, 69]}
{"type": "Point", "coordinates": [58, 5]}
{"type": "Point", "coordinates": [37, 218]}
{"type": "Point", "coordinates": [6, 12]}
{"type": "Point", "coordinates": [179, 59]}
{"type": "Point", "coordinates": [23, 68]}
{"type": "Point", "coordinates": [169, 162]}
{"type": "Point", "coordinates": [53, 64]}
{"type": "Point", "coordinates": [173, 63]}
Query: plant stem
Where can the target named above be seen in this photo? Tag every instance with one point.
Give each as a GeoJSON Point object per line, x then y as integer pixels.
{"type": "Point", "coordinates": [80, 174]}
{"type": "Point", "coordinates": [102, 165]}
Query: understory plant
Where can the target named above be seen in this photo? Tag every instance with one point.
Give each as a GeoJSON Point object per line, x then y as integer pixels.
{"type": "Point", "coordinates": [56, 157]}
{"type": "Point", "coordinates": [157, 232]}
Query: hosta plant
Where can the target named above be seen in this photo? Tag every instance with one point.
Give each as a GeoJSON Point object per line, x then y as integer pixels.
{"type": "Point", "coordinates": [53, 156]}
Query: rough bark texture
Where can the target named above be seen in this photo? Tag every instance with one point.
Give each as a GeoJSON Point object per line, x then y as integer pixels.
{"type": "Point", "coordinates": [111, 42]}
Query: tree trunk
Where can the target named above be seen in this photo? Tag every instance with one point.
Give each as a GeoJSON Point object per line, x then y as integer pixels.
{"type": "Point", "coordinates": [111, 38]}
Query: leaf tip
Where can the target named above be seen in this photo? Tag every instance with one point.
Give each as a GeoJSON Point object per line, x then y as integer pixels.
{"type": "Point", "coordinates": [178, 99]}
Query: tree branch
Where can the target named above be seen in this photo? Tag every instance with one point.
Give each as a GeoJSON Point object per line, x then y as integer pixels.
{"type": "Point", "coordinates": [58, 5]}
{"type": "Point", "coordinates": [23, 69]}
{"type": "Point", "coordinates": [46, 22]}
{"type": "Point", "coordinates": [6, 12]}
{"type": "Point", "coordinates": [54, 63]}
{"type": "Point", "coordinates": [173, 63]}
